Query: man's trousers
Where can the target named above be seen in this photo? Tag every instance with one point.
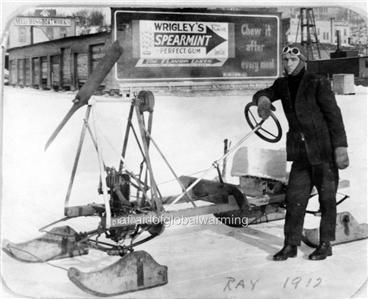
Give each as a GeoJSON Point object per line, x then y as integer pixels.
{"type": "Point", "coordinates": [303, 177]}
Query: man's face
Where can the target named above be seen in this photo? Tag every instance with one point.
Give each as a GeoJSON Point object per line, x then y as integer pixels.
{"type": "Point", "coordinates": [290, 62]}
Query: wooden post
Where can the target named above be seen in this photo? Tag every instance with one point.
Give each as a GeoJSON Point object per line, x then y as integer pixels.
{"type": "Point", "coordinates": [61, 73]}
{"type": "Point", "coordinates": [40, 72]}
{"type": "Point", "coordinates": [24, 71]}
{"type": "Point", "coordinates": [17, 72]}
{"type": "Point", "coordinates": [31, 79]}
{"type": "Point", "coordinates": [74, 70]}
{"type": "Point", "coordinates": [31, 35]}
{"type": "Point", "coordinates": [49, 69]}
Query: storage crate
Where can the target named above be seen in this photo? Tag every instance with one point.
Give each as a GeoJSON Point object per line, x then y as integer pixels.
{"type": "Point", "coordinates": [343, 83]}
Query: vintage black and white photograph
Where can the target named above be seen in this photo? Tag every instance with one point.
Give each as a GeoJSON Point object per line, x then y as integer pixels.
{"type": "Point", "coordinates": [198, 149]}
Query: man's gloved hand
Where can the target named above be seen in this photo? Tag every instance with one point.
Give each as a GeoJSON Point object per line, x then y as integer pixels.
{"type": "Point", "coordinates": [341, 157]}
{"type": "Point", "coordinates": [264, 107]}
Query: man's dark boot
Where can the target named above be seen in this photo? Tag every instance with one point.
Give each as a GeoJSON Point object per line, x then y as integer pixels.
{"type": "Point", "coordinates": [323, 250]}
{"type": "Point", "coordinates": [286, 252]}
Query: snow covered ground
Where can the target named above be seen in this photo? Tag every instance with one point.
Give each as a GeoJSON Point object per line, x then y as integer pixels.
{"type": "Point", "coordinates": [205, 261]}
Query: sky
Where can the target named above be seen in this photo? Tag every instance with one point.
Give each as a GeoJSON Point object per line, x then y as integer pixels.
{"type": "Point", "coordinates": [10, 8]}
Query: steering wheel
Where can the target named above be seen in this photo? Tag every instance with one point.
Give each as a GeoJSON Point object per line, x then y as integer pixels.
{"type": "Point", "coordinates": [251, 116]}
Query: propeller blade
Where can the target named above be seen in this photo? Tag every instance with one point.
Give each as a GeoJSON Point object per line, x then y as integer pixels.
{"type": "Point", "coordinates": [93, 82]}
{"type": "Point", "coordinates": [61, 125]}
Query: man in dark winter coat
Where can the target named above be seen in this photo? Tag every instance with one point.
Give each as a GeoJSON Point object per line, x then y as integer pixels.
{"type": "Point", "coordinates": [317, 145]}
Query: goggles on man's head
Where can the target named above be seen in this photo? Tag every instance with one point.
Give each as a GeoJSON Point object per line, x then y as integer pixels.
{"type": "Point", "coordinates": [291, 50]}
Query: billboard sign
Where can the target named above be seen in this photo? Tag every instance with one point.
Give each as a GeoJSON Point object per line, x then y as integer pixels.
{"type": "Point", "coordinates": [196, 46]}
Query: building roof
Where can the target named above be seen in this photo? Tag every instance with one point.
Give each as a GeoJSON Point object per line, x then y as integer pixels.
{"type": "Point", "coordinates": [68, 38]}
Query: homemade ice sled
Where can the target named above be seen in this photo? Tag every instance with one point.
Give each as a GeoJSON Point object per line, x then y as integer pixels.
{"type": "Point", "coordinates": [134, 211]}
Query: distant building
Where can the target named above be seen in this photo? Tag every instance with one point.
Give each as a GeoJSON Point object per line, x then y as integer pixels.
{"type": "Point", "coordinates": [359, 35]}
{"type": "Point", "coordinates": [351, 26]}
{"type": "Point", "coordinates": [63, 63]}
{"type": "Point", "coordinates": [323, 13]}
{"type": "Point", "coordinates": [326, 32]}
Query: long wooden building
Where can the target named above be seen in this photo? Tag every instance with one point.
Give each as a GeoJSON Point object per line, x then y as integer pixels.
{"type": "Point", "coordinates": [62, 64]}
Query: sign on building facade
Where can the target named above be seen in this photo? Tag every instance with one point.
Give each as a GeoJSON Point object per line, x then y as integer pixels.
{"type": "Point", "coordinates": [43, 21]}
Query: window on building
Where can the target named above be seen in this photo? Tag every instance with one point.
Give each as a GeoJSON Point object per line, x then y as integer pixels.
{"type": "Point", "coordinates": [345, 33]}
{"type": "Point", "coordinates": [96, 52]}
{"type": "Point", "coordinates": [22, 38]}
